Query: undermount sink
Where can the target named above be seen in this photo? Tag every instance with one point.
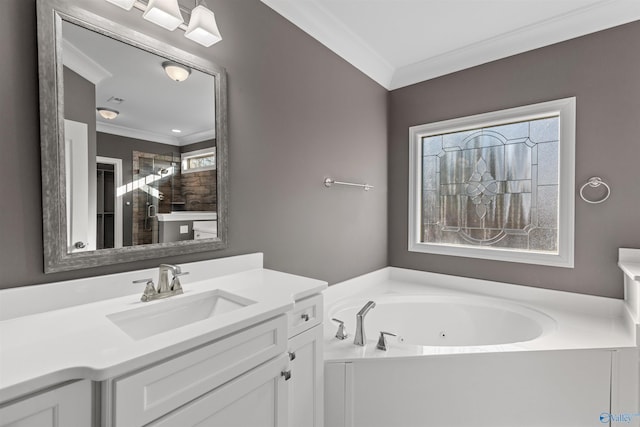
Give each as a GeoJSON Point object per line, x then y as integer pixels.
{"type": "Point", "coordinates": [165, 315]}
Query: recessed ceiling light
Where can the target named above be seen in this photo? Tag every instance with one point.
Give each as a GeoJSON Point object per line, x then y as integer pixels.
{"type": "Point", "coordinates": [107, 113]}
{"type": "Point", "coordinates": [176, 130]}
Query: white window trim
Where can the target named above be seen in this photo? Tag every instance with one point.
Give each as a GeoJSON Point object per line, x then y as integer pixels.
{"type": "Point", "coordinates": [566, 108]}
{"type": "Point", "coordinates": [197, 153]}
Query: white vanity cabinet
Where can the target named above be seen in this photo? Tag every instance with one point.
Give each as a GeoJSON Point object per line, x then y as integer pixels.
{"type": "Point", "coordinates": [231, 368]}
{"type": "Point", "coordinates": [306, 391]}
{"type": "Point", "coordinates": [65, 406]}
{"type": "Point", "coordinates": [228, 376]}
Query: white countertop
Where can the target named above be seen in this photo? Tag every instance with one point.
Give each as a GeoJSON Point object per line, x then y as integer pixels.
{"type": "Point", "coordinates": [631, 269]}
{"type": "Point", "coordinates": [188, 216]}
{"type": "Point", "coordinates": [79, 342]}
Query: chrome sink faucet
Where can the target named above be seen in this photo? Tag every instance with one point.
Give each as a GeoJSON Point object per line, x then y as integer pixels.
{"type": "Point", "coordinates": [163, 282]}
{"type": "Point", "coordinates": [361, 338]}
{"type": "Point", "coordinates": [165, 288]}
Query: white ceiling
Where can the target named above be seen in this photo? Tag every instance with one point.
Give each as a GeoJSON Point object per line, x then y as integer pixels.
{"type": "Point", "coordinates": [153, 103]}
{"type": "Point", "coordinates": [401, 42]}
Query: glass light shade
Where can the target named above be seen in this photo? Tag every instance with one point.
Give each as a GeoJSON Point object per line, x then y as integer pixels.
{"type": "Point", "coordinates": [107, 113]}
{"type": "Point", "coordinates": [202, 27]}
{"type": "Point", "coordinates": [125, 4]}
{"type": "Point", "coordinates": [176, 71]}
{"type": "Point", "coordinates": [165, 13]}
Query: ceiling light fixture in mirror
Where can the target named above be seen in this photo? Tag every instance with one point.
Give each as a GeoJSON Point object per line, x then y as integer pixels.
{"type": "Point", "coordinates": [202, 27]}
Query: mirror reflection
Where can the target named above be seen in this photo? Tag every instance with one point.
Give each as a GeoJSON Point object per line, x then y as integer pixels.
{"type": "Point", "coordinates": [140, 146]}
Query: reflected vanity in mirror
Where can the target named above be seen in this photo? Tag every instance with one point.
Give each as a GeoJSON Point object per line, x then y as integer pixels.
{"type": "Point", "coordinates": [133, 143]}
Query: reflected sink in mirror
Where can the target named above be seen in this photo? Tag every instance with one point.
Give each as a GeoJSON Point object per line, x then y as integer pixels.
{"type": "Point", "coordinates": [169, 314]}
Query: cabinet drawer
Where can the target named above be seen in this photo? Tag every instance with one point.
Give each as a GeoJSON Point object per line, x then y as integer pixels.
{"type": "Point", "coordinates": [149, 394]}
{"type": "Point", "coordinates": [306, 314]}
{"type": "Point", "coordinates": [255, 399]}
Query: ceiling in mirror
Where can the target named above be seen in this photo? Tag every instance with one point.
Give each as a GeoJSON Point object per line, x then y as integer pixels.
{"type": "Point", "coordinates": [150, 105]}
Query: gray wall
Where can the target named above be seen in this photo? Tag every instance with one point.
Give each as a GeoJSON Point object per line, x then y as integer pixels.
{"type": "Point", "coordinates": [602, 71]}
{"type": "Point", "coordinates": [297, 113]}
{"type": "Point", "coordinates": [198, 146]}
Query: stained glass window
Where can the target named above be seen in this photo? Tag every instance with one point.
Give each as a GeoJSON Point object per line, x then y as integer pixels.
{"type": "Point", "coordinates": [493, 186]}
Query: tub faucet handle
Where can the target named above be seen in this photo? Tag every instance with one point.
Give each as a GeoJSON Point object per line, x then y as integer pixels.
{"type": "Point", "coordinates": [382, 341]}
{"type": "Point", "coordinates": [342, 333]}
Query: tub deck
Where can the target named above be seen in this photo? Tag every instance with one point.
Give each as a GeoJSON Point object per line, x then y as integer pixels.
{"type": "Point", "coordinates": [582, 322]}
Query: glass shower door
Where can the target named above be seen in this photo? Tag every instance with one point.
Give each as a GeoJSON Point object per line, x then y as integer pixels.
{"type": "Point", "coordinates": [154, 176]}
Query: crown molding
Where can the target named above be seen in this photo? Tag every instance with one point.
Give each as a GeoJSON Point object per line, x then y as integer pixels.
{"type": "Point", "coordinates": [204, 135]}
{"type": "Point", "coordinates": [136, 133]}
{"type": "Point", "coordinates": [580, 22]}
{"type": "Point", "coordinates": [314, 19]}
{"type": "Point", "coordinates": [177, 141]}
{"type": "Point", "coordinates": [77, 61]}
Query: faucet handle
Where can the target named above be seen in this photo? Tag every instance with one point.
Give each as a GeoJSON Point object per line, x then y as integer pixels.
{"type": "Point", "coordinates": [143, 281]}
{"type": "Point", "coordinates": [382, 341]}
{"type": "Point", "coordinates": [149, 290]}
{"type": "Point", "coordinates": [342, 333]}
{"type": "Point", "coordinates": [175, 282]}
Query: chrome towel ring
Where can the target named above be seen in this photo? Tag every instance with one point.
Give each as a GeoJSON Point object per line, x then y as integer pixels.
{"type": "Point", "coordinates": [595, 182]}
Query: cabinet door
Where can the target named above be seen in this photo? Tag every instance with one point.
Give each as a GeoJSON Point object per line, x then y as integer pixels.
{"type": "Point", "coordinates": [68, 406]}
{"type": "Point", "coordinates": [152, 393]}
{"type": "Point", "coordinates": [255, 399]}
{"type": "Point", "coordinates": [306, 392]}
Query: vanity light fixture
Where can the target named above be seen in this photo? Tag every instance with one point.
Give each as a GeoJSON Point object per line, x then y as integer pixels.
{"type": "Point", "coordinates": [175, 71]}
{"type": "Point", "coordinates": [202, 27]}
{"type": "Point", "coordinates": [107, 113]}
{"type": "Point", "coordinates": [125, 4]}
{"type": "Point", "coordinates": [165, 13]}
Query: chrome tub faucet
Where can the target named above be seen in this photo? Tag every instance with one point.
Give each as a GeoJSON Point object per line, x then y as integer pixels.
{"type": "Point", "coordinates": [361, 338]}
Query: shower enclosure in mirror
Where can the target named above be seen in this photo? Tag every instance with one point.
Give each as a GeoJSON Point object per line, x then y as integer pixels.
{"type": "Point", "coordinates": [134, 156]}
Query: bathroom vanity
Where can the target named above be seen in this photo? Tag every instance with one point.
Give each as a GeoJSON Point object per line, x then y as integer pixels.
{"type": "Point", "coordinates": [241, 346]}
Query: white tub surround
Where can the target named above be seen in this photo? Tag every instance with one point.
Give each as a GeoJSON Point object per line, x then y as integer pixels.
{"type": "Point", "coordinates": [59, 332]}
{"type": "Point", "coordinates": [537, 357]}
{"type": "Point", "coordinates": [629, 262]}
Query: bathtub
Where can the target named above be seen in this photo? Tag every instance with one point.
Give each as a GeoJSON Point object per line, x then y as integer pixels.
{"type": "Point", "coordinates": [435, 321]}
{"type": "Point", "coordinates": [475, 353]}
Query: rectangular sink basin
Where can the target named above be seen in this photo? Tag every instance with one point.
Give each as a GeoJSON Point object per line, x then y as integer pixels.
{"type": "Point", "coordinates": [175, 312]}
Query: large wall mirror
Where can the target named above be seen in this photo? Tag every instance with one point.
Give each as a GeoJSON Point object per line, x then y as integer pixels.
{"type": "Point", "coordinates": [134, 143]}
